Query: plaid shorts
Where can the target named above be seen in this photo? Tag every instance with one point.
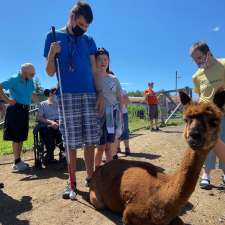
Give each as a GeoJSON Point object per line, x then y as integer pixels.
{"type": "Point", "coordinates": [83, 127]}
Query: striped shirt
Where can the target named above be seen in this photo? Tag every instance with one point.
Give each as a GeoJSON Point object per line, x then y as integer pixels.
{"type": "Point", "coordinates": [48, 110]}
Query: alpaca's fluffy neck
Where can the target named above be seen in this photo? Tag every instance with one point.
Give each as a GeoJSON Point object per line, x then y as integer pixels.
{"type": "Point", "coordinates": [183, 181]}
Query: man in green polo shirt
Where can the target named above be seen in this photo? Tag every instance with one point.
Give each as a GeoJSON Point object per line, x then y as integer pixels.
{"type": "Point", "coordinates": [21, 88]}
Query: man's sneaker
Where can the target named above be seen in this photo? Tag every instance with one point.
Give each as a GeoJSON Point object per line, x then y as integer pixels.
{"type": "Point", "coordinates": [67, 189]}
{"type": "Point", "coordinates": [205, 184]}
{"type": "Point", "coordinates": [1, 185]}
{"type": "Point", "coordinates": [87, 182]}
{"type": "Point", "coordinates": [127, 151]}
{"type": "Point", "coordinates": [20, 166]}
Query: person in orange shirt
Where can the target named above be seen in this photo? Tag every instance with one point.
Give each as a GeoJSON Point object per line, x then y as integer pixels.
{"type": "Point", "coordinates": [152, 101]}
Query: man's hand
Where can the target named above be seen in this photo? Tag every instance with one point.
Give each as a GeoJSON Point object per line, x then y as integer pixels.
{"type": "Point", "coordinates": [54, 125]}
{"type": "Point", "coordinates": [11, 102]}
{"type": "Point", "coordinates": [54, 49]}
{"type": "Point", "coordinates": [100, 104]}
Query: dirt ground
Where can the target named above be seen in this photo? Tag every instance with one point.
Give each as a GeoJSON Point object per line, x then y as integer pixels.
{"type": "Point", "coordinates": [34, 197]}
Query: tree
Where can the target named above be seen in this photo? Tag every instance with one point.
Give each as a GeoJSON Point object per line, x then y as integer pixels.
{"type": "Point", "coordinates": [136, 93]}
{"type": "Point", "coordinates": [38, 89]}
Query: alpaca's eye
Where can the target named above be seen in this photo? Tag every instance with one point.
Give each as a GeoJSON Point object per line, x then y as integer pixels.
{"type": "Point", "coordinates": [213, 122]}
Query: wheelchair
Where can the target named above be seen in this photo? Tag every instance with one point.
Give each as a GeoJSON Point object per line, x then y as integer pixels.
{"type": "Point", "coordinates": [40, 150]}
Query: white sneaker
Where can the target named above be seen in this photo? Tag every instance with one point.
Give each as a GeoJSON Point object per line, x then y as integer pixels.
{"type": "Point", "coordinates": [20, 166]}
{"type": "Point", "coordinates": [223, 178]}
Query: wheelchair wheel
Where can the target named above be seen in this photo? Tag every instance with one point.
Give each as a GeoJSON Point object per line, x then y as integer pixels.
{"type": "Point", "coordinates": [38, 164]}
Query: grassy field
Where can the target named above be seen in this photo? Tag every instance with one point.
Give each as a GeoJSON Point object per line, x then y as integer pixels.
{"type": "Point", "coordinates": [6, 146]}
{"type": "Point", "coordinates": [134, 124]}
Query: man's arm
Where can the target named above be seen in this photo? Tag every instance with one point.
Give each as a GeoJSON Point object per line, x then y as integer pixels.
{"type": "Point", "coordinates": [5, 98]}
{"type": "Point", "coordinates": [48, 122]}
{"type": "Point", "coordinates": [50, 62]}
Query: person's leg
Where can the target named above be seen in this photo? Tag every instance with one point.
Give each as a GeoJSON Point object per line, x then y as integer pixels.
{"type": "Point", "coordinates": [47, 134]}
{"type": "Point", "coordinates": [156, 124]}
{"type": "Point", "coordinates": [98, 155]}
{"type": "Point", "coordinates": [108, 153]}
{"type": "Point", "coordinates": [156, 116]}
{"type": "Point", "coordinates": [18, 165]}
{"type": "Point", "coordinates": [113, 147]}
{"type": "Point", "coordinates": [17, 149]}
{"type": "Point", "coordinates": [73, 156]}
{"type": "Point", "coordinates": [151, 124]}
{"type": "Point", "coordinates": [118, 146]}
{"type": "Point", "coordinates": [89, 154]}
{"type": "Point", "coordinates": [210, 164]}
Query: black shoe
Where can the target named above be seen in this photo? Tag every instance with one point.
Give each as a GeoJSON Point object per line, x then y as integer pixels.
{"type": "Point", "coordinates": [62, 157]}
{"type": "Point", "coordinates": [115, 157]}
{"type": "Point", "coordinates": [87, 182]}
{"type": "Point", "coordinates": [127, 151]}
{"type": "Point", "coordinates": [205, 184]}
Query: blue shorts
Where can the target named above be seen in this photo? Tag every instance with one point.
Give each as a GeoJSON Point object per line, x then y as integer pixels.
{"type": "Point", "coordinates": [125, 134]}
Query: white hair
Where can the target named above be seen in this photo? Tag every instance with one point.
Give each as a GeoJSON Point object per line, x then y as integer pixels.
{"type": "Point", "coordinates": [26, 66]}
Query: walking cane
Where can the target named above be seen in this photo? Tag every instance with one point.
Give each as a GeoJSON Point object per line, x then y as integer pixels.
{"type": "Point", "coordinates": [70, 171]}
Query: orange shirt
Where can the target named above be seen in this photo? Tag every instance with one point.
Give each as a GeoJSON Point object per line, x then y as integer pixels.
{"type": "Point", "coordinates": [152, 99]}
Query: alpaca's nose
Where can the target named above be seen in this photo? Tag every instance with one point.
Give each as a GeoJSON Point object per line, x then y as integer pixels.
{"type": "Point", "coordinates": [196, 135]}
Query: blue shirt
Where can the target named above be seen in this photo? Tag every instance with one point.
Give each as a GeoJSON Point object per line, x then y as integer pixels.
{"type": "Point", "coordinates": [20, 90]}
{"type": "Point", "coordinates": [75, 53]}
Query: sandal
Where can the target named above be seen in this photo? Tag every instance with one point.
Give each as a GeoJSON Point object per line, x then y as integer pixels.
{"type": "Point", "coordinates": [205, 184]}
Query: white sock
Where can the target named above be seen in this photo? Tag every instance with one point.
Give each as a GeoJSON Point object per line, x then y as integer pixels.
{"type": "Point", "coordinates": [205, 176]}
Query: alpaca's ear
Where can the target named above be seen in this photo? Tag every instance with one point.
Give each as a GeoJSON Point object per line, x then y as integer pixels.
{"type": "Point", "coordinates": [184, 98]}
{"type": "Point", "coordinates": [219, 98]}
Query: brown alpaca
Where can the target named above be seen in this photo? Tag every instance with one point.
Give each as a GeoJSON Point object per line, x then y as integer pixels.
{"type": "Point", "coordinates": [144, 194]}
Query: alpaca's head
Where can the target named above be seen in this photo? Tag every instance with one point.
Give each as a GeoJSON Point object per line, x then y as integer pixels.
{"type": "Point", "coordinates": [202, 121]}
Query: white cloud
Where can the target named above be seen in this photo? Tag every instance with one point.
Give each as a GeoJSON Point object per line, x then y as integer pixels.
{"type": "Point", "coordinates": [216, 29]}
{"type": "Point", "coordinates": [126, 84]}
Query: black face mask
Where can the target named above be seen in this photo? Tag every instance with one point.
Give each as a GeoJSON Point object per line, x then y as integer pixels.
{"type": "Point", "coordinates": [78, 31]}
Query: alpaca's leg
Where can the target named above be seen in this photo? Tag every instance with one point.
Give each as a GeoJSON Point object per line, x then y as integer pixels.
{"type": "Point", "coordinates": [176, 221]}
{"type": "Point", "coordinates": [96, 200]}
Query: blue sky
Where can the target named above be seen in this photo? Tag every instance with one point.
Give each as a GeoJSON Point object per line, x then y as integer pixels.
{"type": "Point", "coordinates": [148, 40]}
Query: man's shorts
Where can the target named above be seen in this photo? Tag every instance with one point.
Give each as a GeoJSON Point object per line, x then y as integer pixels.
{"type": "Point", "coordinates": [16, 123]}
{"type": "Point", "coordinates": [153, 112]}
{"type": "Point", "coordinates": [82, 122]}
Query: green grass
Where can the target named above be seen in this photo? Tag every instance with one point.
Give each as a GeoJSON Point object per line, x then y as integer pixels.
{"type": "Point", "coordinates": [134, 124]}
{"type": "Point", "coordinates": [6, 146]}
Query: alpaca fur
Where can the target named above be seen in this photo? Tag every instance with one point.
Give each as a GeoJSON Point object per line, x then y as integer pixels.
{"type": "Point", "coordinates": [141, 191]}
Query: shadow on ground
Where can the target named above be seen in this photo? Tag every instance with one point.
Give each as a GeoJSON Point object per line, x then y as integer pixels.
{"type": "Point", "coordinates": [116, 218]}
{"type": "Point", "coordinates": [11, 208]}
{"type": "Point", "coordinates": [172, 131]}
{"type": "Point", "coordinates": [55, 170]}
{"type": "Point", "coordinates": [144, 155]}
